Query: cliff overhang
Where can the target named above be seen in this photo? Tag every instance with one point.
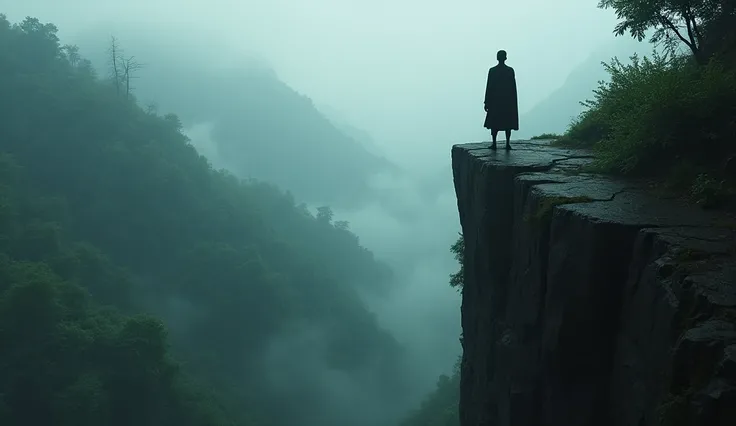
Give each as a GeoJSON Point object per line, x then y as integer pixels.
{"type": "Point", "coordinates": [588, 300]}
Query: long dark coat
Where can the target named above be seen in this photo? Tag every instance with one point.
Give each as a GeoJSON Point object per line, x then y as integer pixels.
{"type": "Point", "coordinates": [501, 100]}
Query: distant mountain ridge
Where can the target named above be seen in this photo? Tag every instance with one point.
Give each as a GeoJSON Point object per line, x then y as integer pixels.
{"type": "Point", "coordinates": [345, 126]}
{"type": "Point", "coordinates": [262, 128]}
{"type": "Point", "coordinates": [554, 113]}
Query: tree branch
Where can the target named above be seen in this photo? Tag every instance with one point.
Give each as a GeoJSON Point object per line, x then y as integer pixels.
{"type": "Point", "coordinates": [696, 29]}
{"type": "Point", "coordinates": [668, 24]}
{"type": "Point", "coordinates": [114, 56]}
{"type": "Point", "coordinates": [688, 26]}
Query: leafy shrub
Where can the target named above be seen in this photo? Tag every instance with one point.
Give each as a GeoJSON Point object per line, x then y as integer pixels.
{"type": "Point", "coordinates": [458, 249]}
{"type": "Point", "coordinates": [657, 111]}
{"type": "Point", "coordinates": [545, 136]}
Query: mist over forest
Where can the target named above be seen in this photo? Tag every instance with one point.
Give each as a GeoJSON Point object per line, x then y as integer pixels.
{"type": "Point", "coordinates": [243, 214]}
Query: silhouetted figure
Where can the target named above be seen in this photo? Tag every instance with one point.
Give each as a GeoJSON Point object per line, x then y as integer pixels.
{"type": "Point", "coordinates": [502, 109]}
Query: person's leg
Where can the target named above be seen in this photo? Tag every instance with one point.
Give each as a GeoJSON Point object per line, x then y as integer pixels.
{"type": "Point", "coordinates": [508, 139]}
{"type": "Point", "coordinates": [494, 136]}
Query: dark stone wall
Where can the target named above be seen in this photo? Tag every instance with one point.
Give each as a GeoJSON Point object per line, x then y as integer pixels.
{"type": "Point", "coordinates": [589, 301]}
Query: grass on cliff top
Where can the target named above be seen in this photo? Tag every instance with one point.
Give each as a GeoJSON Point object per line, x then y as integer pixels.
{"type": "Point", "coordinates": [665, 117]}
{"type": "Point", "coordinates": [546, 136]}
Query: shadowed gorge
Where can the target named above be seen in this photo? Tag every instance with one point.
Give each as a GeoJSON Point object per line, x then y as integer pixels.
{"type": "Point", "coordinates": [109, 215]}
{"type": "Point", "coordinates": [587, 300]}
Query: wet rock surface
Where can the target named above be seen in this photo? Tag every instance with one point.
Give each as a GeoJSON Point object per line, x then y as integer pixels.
{"type": "Point", "coordinates": [587, 300]}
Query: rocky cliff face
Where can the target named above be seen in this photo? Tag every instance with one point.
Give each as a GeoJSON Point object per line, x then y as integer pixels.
{"type": "Point", "coordinates": [589, 301]}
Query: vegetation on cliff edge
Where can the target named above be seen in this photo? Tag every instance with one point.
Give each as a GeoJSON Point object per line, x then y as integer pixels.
{"type": "Point", "coordinates": [671, 114]}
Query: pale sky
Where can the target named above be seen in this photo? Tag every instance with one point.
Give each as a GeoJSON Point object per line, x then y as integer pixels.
{"type": "Point", "coordinates": [410, 72]}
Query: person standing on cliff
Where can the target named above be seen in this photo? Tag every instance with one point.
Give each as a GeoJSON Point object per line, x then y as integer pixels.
{"type": "Point", "coordinates": [501, 106]}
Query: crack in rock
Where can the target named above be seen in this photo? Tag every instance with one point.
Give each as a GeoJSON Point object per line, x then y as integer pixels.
{"type": "Point", "coordinates": [616, 311]}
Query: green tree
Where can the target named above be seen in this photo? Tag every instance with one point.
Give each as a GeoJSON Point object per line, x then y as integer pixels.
{"type": "Point", "coordinates": [440, 407]}
{"type": "Point", "coordinates": [325, 214]}
{"type": "Point", "coordinates": [458, 250]}
{"type": "Point", "coordinates": [672, 21]}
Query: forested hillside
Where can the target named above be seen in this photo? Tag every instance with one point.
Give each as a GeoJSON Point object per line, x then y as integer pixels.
{"type": "Point", "coordinates": [138, 286]}
{"type": "Point", "coordinates": [260, 126]}
{"type": "Point", "coordinates": [440, 407]}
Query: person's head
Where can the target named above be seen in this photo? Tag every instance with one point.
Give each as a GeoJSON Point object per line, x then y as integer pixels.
{"type": "Point", "coordinates": [501, 56]}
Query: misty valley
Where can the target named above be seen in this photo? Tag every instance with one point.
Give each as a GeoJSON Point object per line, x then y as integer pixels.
{"type": "Point", "coordinates": [140, 284]}
{"type": "Point", "coordinates": [279, 213]}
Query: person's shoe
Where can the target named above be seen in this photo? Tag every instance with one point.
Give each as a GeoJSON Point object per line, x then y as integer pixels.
{"type": "Point", "coordinates": [508, 146]}
{"type": "Point", "coordinates": [493, 146]}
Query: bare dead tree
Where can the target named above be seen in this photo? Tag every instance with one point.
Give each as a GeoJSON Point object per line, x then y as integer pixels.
{"type": "Point", "coordinates": [122, 68]}
{"type": "Point", "coordinates": [115, 70]}
{"type": "Point", "coordinates": [130, 66]}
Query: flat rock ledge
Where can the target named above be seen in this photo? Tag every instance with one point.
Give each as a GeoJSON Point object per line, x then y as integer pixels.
{"type": "Point", "coordinates": [588, 301]}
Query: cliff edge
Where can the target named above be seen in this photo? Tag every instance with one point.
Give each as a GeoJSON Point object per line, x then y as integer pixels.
{"type": "Point", "coordinates": [588, 301]}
